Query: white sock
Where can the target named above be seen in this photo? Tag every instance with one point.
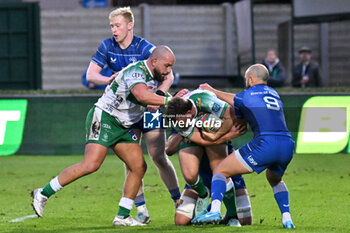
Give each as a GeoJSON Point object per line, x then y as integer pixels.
{"type": "Point", "coordinates": [126, 203]}
{"type": "Point", "coordinates": [286, 217]}
{"type": "Point", "coordinates": [215, 206]}
{"type": "Point", "coordinates": [55, 185]}
{"type": "Point", "coordinates": [229, 185]}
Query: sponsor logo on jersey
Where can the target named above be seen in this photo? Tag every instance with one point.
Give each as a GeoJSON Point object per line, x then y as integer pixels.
{"type": "Point", "coordinates": [216, 107]}
{"type": "Point", "coordinates": [133, 135]}
{"type": "Point", "coordinates": [113, 60]}
{"type": "Point", "coordinates": [137, 75]}
{"type": "Point", "coordinates": [107, 126]}
{"type": "Point", "coordinates": [252, 161]}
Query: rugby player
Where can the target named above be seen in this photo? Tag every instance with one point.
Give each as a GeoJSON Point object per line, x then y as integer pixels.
{"type": "Point", "coordinates": [117, 52]}
{"type": "Point", "coordinates": [185, 210]}
{"type": "Point", "coordinates": [108, 126]}
{"type": "Point", "coordinates": [271, 148]}
{"type": "Point", "coordinates": [183, 109]}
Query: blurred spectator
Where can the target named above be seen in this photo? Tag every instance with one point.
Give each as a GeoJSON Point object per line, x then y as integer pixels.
{"type": "Point", "coordinates": [105, 72]}
{"type": "Point", "coordinates": [307, 72]}
{"type": "Point", "coordinates": [277, 73]}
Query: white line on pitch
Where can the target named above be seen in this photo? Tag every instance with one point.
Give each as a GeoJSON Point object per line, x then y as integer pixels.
{"type": "Point", "coordinates": [21, 219]}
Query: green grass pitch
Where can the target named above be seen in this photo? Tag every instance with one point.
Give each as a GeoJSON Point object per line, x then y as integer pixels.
{"type": "Point", "coordinates": [319, 188]}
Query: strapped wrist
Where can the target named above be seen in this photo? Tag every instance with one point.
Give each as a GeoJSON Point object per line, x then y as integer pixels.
{"type": "Point", "coordinates": [167, 99]}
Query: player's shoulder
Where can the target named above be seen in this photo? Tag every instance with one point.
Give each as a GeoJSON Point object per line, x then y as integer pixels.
{"type": "Point", "coordinates": [141, 42]}
{"type": "Point", "coordinates": [108, 42]}
{"type": "Point", "coordinates": [136, 70]}
{"type": "Point", "coordinates": [139, 65]}
{"type": "Point", "coordinates": [199, 93]}
{"type": "Point", "coordinates": [239, 96]}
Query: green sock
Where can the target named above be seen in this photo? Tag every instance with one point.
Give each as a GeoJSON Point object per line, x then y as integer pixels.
{"type": "Point", "coordinates": [48, 191]}
{"type": "Point", "coordinates": [230, 202]}
{"type": "Point", "coordinates": [123, 212]}
{"type": "Point", "coordinates": [199, 187]}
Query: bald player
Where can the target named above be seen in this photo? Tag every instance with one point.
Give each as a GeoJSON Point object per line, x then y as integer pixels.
{"type": "Point", "coordinates": [108, 126]}
{"type": "Point", "coordinates": [271, 148]}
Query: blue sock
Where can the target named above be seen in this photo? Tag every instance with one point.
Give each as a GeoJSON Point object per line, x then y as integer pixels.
{"type": "Point", "coordinates": [282, 197]}
{"type": "Point", "coordinates": [175, 194]}
{"type": "Point", "coordinates": [218, 187]}
{"type": "Point", "coordinates": [140, 200]}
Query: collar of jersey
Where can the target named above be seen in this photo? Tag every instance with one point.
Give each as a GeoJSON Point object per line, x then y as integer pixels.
{"type": "Point", "coordinates": [117, 44]}
{"type": "Point", "coordinates": [149, 71]}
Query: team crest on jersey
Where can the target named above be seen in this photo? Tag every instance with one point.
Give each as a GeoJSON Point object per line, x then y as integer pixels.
{"type": "Point", "coordinates": [105, 137]}
{"type": "Point", "coordinates": [132, 59]}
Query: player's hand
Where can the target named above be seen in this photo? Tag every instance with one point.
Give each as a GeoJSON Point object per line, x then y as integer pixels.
{"type": "Point", "coordinates": [152, 108]}
{"type": "Point", "coordinates": [186, 140]}
{"type": "Point", "coordinates": [207, 87]}
{"type": "Point", "coordinates": [110, 79]}
{"type": "Point", "coordinates": [181, 93]}
{"type": "Point", "coordinates": [239, 129]}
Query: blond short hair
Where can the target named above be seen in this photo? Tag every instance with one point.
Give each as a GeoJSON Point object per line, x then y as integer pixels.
{"type": "Point", "coordinates": [124, 11]}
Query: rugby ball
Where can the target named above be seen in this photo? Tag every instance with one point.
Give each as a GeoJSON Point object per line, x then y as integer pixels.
{"type": "Point", "coordinates": [210, 122]}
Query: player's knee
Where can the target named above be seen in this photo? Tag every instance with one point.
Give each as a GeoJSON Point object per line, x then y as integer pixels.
{"type": "Point", "coordinates": [272, 178]}
{"type": "Point", "coordinates": [138, 168]}
{"type": "Point", "coordinates": [90, 167]}
{"type": "Point", "coordinates": [181, 220]}
{"type": "Point", "coordinates": [160, 160]}
{"type": "Point", "coordinates": [191, 178]}
{"type": "Point", "coordinates": [185, 211]}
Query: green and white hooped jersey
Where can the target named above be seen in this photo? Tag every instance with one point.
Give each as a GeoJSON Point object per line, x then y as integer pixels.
{"type": "Point", "coordinates": [204, 102]}
{"type": "Point", "coordinates": [119, 102]}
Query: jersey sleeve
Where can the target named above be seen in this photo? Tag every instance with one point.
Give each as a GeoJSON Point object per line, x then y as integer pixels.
{"type": "Point", "coordinates": [133, 77]}
{"type": "Point", "coordinates": [100, 57]}
{"type": "Point", "coordinates": [147, 49]}
{"type": "Point", "coordinates": [211, 104]}
{"type": "Point", "coordinates": [237, 104]}
{"type": "Point", "coordinates": [185, 132]}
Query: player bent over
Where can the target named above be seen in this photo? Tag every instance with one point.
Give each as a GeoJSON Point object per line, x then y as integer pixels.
{"type": "Point", "coordinates": [271, 148]}
{"type": "Point", "coordinates": [108, 125]}
{"type": "Point", "coordinates": [185, 210]}
{"type": "Point", "coordinates": [180, 111]}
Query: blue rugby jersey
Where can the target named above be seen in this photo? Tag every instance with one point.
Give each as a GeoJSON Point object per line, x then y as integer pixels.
{"type": "Point", "coordinates": [262, 107]}
{"type": "Point", "coordinates": [110, 52]}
